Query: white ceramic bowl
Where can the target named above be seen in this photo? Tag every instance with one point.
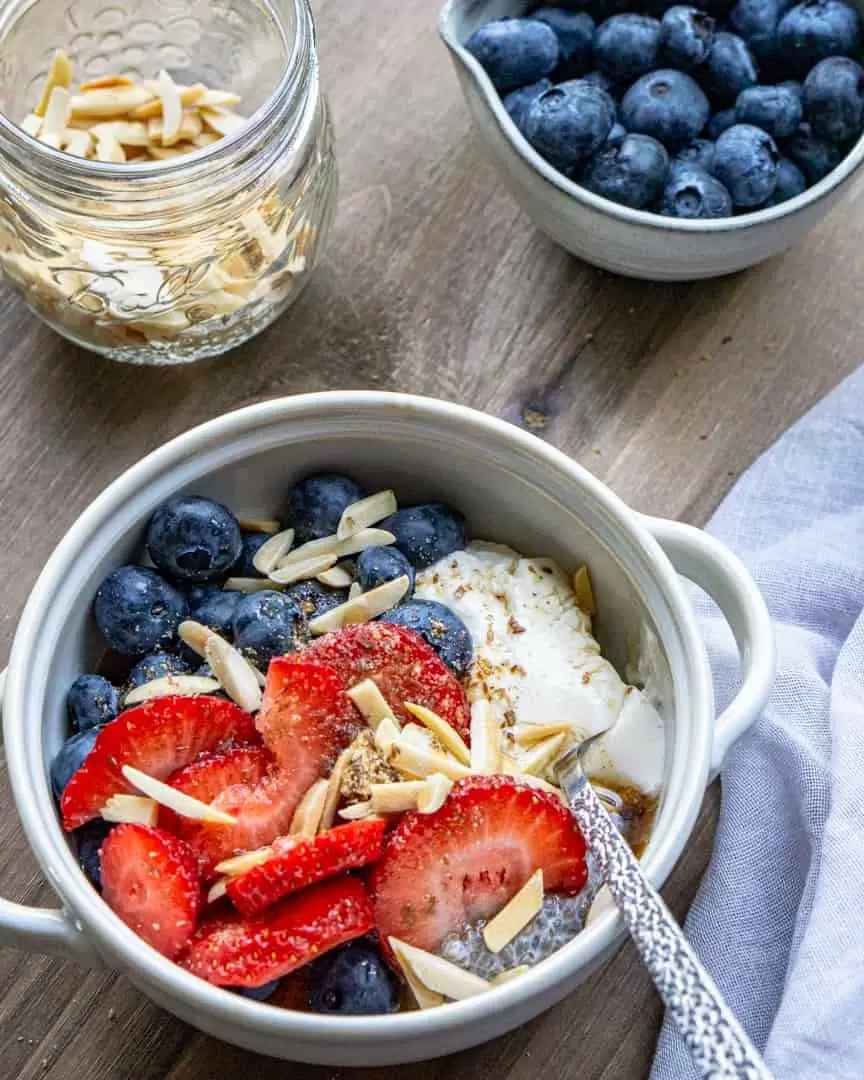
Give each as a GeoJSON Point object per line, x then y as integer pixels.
{"type": "Point", "coordinates": [514, 488]}
{"type": "Point", "coordinates": [614, 237]}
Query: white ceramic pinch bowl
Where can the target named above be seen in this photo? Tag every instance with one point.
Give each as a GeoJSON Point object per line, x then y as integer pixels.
{"type": "Point", "coordinates": [513, 488]}
{"type": "Point", "coordinates": [614, 237]}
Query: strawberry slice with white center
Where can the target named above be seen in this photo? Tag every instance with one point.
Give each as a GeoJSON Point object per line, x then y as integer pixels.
{"type": "Point", "coordinates": [404, 666]}
{"type": "Point", "coordinates": [157, 737]}
{"type": "Point", "coordinates": [233, 951]}
{"type": "Point", "coordinates": [150, 880]}
{"type": "Point", "coordinates": [442, 872]}
{"type": "Point", "coordinates": [298, 862]}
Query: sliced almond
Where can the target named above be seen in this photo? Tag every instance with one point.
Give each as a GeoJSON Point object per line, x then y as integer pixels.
{"type": "Point", "coordinates": [324, 545]}
{"type": "Point", "coordinates": [254, 224]}
{"type": "Point", "coordinates": [206, 138]}
{"type": "Point", "coordinates": [386, 734]}
{"type": "Point", "coordinates": [165, 153]}
{"type": "Point", "coordinates": [131, 810]}
{"type": "Point", "coordinates": [355, 590]}
{"type": "Point", "coordinates": [438, 974]}
{"type": "Point", "coordinates": [434, 794]}
{"type": "Point", "coordinates": [50, 139]}
{"type": "Point", "coordinates": [222, 121]}
{"type": "Point", "coordinates": [372, 704]}
{"type": "Point", "coordinates": [446, 734]}
{"type": "Point", "coordinates": [182, 685]}
{"type": "Point", "coordinates": [332, 545]}
{"type": "Point", "coordinates": [217, 890]}
{"type": "Point", "coordinates": [421, 763]}
{"type": "Point", "coordinates": [189, 95]}
{"type": "Point", "coordinates": [396, 798]}
{"type": "Point", "coordinates": [334, 791]}
{"type": "Point", "coordinates": [368, 605]}
{"type": "Point", "coordinates": [545, 754]}
{"type": "Point", "coordinates": [126, 132]}
{"type": "Point", "coordinates": [302, 570]}
{"type": "Point", "coordinates": [239, 864]}
{"type": "Point", "coordinates": [108, 149]}
{"type": "Point", "coordinates": [104, 82]}
{"type": "Point", "coordinates": [358, 811]}
{"type": "Point", "coordinates": [234, 672]}
{"type": "Point", "coordinates": [265, 525]}
{"type": "Point", "coordinates": [307, 816]}
{"type": "Point", "coordinates": [337, 577]}
{"type": "Point", "coordinates": [583, 591]}
{"type": "Point", "coordinates": [529, 734]}
{"type": "Point", "coordinates": [515, 915]}
{"type": "Point", "coordinates": [509, 976]}
{"type": "Point", "coordinates": [267, 557]}
{"type": "Point", "coordinates": [485, 739]}
{"type": "Point", "coordinates": [56, 113]}
{"type": "Point", "coordinates": [425, 998]}
{"type": "Point", "coordinates": [251, 584]}
{"type": "Point", "coordinates": [32, 124]}
{"type": "Point", "coordinates": [217, 99]}
{"type": "Point", "coordinates": [60, 74]}
{"type": "Point", "coordinates": [421, 737]}
{"type": "Point", "coordinates": [78, 143]}
{"type": "Point", "coordinates": [195, 635]}
{"type": "Point", "coordinates": [172, 108]}
{"type": "Point", "coordinates": [191, 126]}
{"type": "Point", "coordinates": [181, 804]}
{"type": "Point", "coordinates": [365, 512]}
{"type": "Point", "coordinates": [112, 101]}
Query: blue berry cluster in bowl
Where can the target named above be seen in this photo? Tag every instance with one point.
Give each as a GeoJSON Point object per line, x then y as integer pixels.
{"type": "Point", "coordinates": [698, 111]}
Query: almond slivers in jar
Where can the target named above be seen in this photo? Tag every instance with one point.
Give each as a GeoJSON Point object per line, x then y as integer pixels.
{"type": "Point", "coordinates": [181, 283]}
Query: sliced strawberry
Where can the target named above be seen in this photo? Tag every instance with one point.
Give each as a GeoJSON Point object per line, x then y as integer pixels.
{"type": "Point", "coordinates": [233, 951]}
{"type": "Point", "coordinates": [298, 862]}
{"type": "Point", "coordinates": [403, 665]}
{"type": "Point", "coordinates": [157, 738]}
{"type": "Point", "coordinates": [441, 872]}
{"type": "Point", "coordinates": [149, 879]}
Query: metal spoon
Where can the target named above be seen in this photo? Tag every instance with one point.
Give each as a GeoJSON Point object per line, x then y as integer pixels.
{"type": "Point", "coordinates": [717, 1043]}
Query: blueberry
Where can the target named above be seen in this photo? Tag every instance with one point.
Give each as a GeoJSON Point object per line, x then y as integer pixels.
{"type": "Point", "coordinates": [729, 69]}
{"type": "Point", "coordinates": [626, 46]}
{"type": "Point", "coordinates": [514, 52]}
{"type": "Point", "coordinates": [719, 122]}
{"type": "Point", "coordinates": [157, 666]}
{"type": "Point", "coordinates": [91, 702]}
{"type": "Point", "coordinates": [615, 136]}
{"type": "Point", "coordinates": [755, 22]}
{"type": "Point", "coordinates": [137, 611]}
{"type": "Point", "coordinates": [70, 758]}
{"type": "Point", "coordinates": [353, 980]}
{"type": "Point", "coordinates": [667, 105]}
{"type": "Point", "coordinates": [833, 99]}
{"type": "Point", "coordinates": [425, 534]}
{"type": "Point", "coordinates": [601, 80]}
{"type": "Point", "coordinates": [693, 193]}
{"type": "Point", "coordinates": [686, 37]}
{"type": "Point", "coordinates": [376, 565]}
{"type": "Point", "coordinates": [790, 182]}
{"type": "Point", "coordinates": [312, 598]}
{"type": "Point", "coordinates": [698, 152]}
{"type": "Point", "coordinates": [745, 163]}
{"type": "Point", "coordinates": [632, 174]}
{"type": "Point", "coordinates": [267, 624]}
{"type": "Point", "coordinates": [575, 33]}
{"type": "Point", "coordinates": [316, 504]}
{"type": "Point", "coordinates": [815, 157]}
{"type": "Point", "coordinates": [193, 539]}
{"type": "Point", "coordinates": [217, 610]}
{"type": "Point", "coordinates": [517, 102]}
{"type": "Point", "coordinates": [89, 839]}
{"type": "Point", "coordinates": [816, 29]}
{"type": "Point", "coordinates": [249, 545]}
{"type": "Point", "coordinates": [775, 109]}
{"type": "Point", "coordinates": [259, 993]}
{"type": "Point", "coordinates": [441, 627]}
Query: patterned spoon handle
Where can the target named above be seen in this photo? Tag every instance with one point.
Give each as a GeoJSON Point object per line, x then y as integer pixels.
{"type": "Point", "coordinates": [717, 1043]}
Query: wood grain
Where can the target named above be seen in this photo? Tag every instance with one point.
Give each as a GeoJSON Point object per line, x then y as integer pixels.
{"type": "Point", "coordinates": [435, 283]}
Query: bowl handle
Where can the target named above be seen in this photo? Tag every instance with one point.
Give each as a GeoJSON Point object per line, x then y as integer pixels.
{"type": "Point", "coordinates": [42, 930]}
{"type": "Point", "coordinates": [713, 567]}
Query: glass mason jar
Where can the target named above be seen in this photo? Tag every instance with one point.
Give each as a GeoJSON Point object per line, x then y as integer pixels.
{"type": "Point", "coordinates": [170, 261]}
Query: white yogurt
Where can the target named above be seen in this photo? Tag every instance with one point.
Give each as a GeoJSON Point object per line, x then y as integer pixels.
{"type": "Point", "coordinates": [536, 660]}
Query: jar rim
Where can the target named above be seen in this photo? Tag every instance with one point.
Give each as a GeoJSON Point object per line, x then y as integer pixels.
{"type": "Point", "coordinates": [38, 157]}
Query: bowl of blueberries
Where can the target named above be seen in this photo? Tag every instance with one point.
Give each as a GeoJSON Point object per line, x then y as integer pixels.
{"type": "Point", "coordinates": [664, 140]}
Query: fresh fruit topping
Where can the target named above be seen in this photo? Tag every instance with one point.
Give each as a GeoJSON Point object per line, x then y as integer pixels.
{"type": "Point", "coordinates": [575, 33]}
{"type": "Point", "coordinates": [89, 839]}
{"type": "Point", "coordinates": [353, 980]}
{"type": "Point", "coordinates": [250, 546]}
{"type": "Point", "coordinates": [69, 759]}
{"type": "Point", "coordinates": [632, 173]}
{"type": "Point", "coordinates": [441, 872]}
{"type": "Point", "coordinates": [314, 599]}
{"type": "Point", "coordinates": [157, 737]}
{"type": "Point", "coordinates": [267, 624]}
{"type": "Point", "coordinates": [233, 951]}
{"type": "Point", "coordinates": [376, 565]}
{"type": "Point", "coordinates": [439, 627]}
{"type": "Point", "coordinates": [137, 611]}
{"type": "Point", "coordinates": [667, 105]}
{"type": "Point", "coordinates": [626, 46]}
{"type": "Point", "coordinates": [745, 163]}
{"type": "Point", "coordinates": [425, 534]}
{"type": "Point", "coordinates": [316, 504]}
{"type": "Point", "coordinates": [157, 666]}
{"type": "Point", "coordinates": [402, 664]}
{"type": "Point", "coordinates": [514, 51]}
{"type": "Point", "coordinates": [193, 539]}
{"type": "Point", "coordinates": [150, 880]}
{"type": "Point", "coordinates": [91, 702]}
{"type": "Point", "coordinates": [259, 993]}
{"type": "Point", "coordinates": [216, 609]}
{"type": "Point", "coordinates": [298, 862]}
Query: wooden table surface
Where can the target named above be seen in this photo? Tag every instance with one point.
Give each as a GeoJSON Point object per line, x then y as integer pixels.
{"type": "Point", "coordinates": [435, 283]}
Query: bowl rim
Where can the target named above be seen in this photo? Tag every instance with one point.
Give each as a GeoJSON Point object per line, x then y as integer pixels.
{"type": "Point", "coordinates": [643, 218]}
{"type": "Point", "coordinates": [152, 971]}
